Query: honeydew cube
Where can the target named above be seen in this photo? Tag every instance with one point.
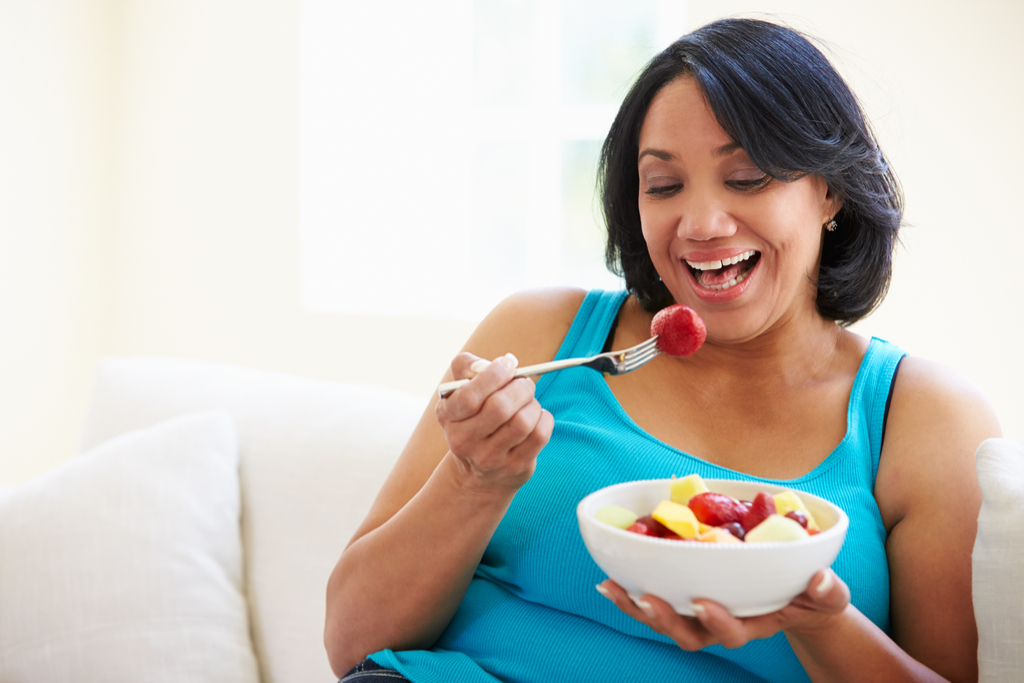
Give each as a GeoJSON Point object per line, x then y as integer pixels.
{"type": "Point", "coordinates": [788, 501]}
{"type": "Point", "coordinates": [717, 535]}
{"type": "Point", "coordinates": [678, 518]}
{"type": "Point", "coordinates": [616, 516]}
{"type": "Point", "coordinates": [776, 528]}
{"type": "Point", "coordinates": [682, 490]}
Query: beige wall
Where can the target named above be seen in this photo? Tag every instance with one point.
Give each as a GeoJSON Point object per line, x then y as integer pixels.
{"type": "Point", "coordinates": [149, 198]}
{"type": "Point", "coordinates": [56, 126]}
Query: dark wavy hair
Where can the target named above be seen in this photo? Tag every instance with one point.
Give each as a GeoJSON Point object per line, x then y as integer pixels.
{"type": "Point", "coordinates": [780, 99]}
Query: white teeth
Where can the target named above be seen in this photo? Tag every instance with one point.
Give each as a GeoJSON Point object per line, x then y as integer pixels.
{"type": "Point", "coordinates": [731, 283]}
{"type": "Point", "coordinates": [715, 265]}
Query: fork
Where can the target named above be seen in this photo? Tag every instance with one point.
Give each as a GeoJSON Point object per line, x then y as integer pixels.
{"type": "Point", "coordinates": [611, 362]}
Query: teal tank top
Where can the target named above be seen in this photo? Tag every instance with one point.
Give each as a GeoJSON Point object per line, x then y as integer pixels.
{"type": "Point", "coordinates": [532, 614]}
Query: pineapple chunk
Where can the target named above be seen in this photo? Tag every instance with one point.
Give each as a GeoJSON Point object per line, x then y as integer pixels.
{"type": "Point", "coordinates": [787, 501]}
{"type": "Point", "coordinates": [678, 518]}
{"type": "Point", "coordinates": [682, 490]}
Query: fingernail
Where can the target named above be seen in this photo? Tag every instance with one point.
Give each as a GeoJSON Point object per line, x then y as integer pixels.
{"type": "Point", "coordinates": [698, 610]}
{"type": "Point", "coordinates": [826, 584]}
{"type": "Point", "coordinates": [509, 361]}
{"type": "Point", "coordinates": [476, 368]}
{"type": "Point", "coordinates": [602, 590]}
{"type": "Point", "coordinates": [646, 607]}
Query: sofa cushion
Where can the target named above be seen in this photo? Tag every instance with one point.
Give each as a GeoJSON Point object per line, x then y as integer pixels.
{"type": "Point", "coordinates": [997, 559]}
{"type": "Point", "coordinates": [125, 563]}
{"type": "Point", "coordinates": [313, 455]}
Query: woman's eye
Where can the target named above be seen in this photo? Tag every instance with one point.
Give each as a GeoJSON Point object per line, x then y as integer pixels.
{"type": "Point", "coordinates": [664, 190]}
{"type": "Point", "coordinates": [748, 180]}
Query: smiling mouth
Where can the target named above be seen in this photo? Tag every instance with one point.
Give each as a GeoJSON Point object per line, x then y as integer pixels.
{"type": "Point", "coordinates": [721, 275]}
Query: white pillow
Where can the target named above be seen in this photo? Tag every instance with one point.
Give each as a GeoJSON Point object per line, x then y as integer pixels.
{"type": "Point", "coordinates": [313, 456]}
{"type": "Point", "coordinates": [124, 564]}
{"type": "Point", "coordinates": [997, 560]}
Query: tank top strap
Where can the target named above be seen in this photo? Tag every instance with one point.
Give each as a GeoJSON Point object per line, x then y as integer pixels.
{"type": "Point", "coordinates": [590, 327]}
{"type": "Point", "coordinates": [872, 389]}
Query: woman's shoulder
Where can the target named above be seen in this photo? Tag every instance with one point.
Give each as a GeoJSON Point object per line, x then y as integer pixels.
{"type": "Point", "coordinates": [937, 419]}
{"type": "Point", "coordinates": [531, 324]}
{"type": "Point", "coordinates": [933, 397]}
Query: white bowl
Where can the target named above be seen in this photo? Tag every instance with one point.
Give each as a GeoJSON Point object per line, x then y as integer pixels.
{"type": "Point", "coordinates": [746, 578]}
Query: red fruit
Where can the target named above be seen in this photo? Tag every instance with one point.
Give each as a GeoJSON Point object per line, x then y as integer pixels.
{"type": "Point", "coordinates": [716, 509]}
{"type": "Point", "coordinates": [760, 509]}
{"type": "Point", "coordinates": [798, 517]}
{"type": "Point", "coordinates": [679, 329]}
{"type": "Point", "coordinates": [648, 526]}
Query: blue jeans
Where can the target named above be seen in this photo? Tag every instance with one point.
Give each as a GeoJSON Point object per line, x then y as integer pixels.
{"type": "Point", "coordinates": [369, 671]}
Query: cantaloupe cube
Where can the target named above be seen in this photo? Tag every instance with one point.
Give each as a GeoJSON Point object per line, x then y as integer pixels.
{"type": "Point", "coordinates": [683, 489]}
{"type": "Point", "coordinates": [717, 535]}
{"type": "Point", "coordinates": [787, 501]}
{"type": "Point", "coordinates": [678, 518]}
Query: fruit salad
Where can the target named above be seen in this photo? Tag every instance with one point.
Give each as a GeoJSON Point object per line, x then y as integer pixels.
{"type": "Point", "coordinates": [693, 513]}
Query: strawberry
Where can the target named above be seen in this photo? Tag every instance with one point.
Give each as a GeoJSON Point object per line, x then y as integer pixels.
{"type": "Point", "coordinates": [679, 329]}
{"type": "Point", "coordinates": [762, 507]}
{"type": "Point", "coordinates": [716, 509]}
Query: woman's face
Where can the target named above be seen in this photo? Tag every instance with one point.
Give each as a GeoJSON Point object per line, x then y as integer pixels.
{"type": "Point", "coordinates": [735, 245]}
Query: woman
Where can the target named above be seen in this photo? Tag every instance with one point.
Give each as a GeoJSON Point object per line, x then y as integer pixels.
{"type": "Point", "coordinates": [740, 179]}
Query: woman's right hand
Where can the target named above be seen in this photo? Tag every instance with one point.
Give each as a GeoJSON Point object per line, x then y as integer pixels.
{"type": "Point", "coordinates": [494, 426]}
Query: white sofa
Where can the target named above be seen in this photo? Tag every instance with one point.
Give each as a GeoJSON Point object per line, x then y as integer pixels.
{"type": "Point", "coordinates": [192, 538]}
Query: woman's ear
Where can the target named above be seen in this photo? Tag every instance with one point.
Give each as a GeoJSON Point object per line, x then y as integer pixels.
{"type": "Point", "coordinates": [832, 204]}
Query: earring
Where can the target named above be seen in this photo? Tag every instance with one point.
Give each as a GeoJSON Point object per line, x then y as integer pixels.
{"type": "Point", "coordinates": [831, 225]}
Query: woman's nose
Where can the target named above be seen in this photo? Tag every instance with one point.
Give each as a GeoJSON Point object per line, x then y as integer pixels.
{"type": "Point", "coordinates": [705, 219]}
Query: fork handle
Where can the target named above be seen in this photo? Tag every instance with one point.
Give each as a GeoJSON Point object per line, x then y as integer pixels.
{"type": "Point", "coordinates": [447, 388]}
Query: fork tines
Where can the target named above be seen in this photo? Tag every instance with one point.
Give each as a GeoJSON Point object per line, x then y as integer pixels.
{"type": "Point", "coordinates": [639, 354]}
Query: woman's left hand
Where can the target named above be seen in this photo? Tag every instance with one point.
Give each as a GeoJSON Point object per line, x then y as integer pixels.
{"type": "Point", "coordinates": [825, 598]}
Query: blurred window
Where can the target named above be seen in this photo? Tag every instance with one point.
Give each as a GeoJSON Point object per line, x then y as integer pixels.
{"type": "Point", "coordinates": [449, 148]}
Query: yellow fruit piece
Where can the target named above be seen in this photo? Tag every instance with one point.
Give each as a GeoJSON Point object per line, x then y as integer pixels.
{"type": "Point", "coordinates": [787, 501]}
{"type": "Point", "coordinates": [678, 518]}
{"type": "Point", "coordinates": [682, 490]}
{"type": "Point", "coordinates": [717, 535]}
{"type": "Point", "coordinates": [704, 527]}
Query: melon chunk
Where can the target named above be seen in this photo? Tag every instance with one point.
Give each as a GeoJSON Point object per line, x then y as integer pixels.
{"type": "Point", "coordinates": [776, 528]}
{"type": "Point", "coordinates": [787, 501]}
{"type": "Point", "coordinates": [616, 516]}
{"type": "Point", "coordinates": [682, 490]}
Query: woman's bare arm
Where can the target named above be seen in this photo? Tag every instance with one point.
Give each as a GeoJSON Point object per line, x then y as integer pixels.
{"type": "Point", "coordinates": [928, 495]}
{"type": "Point", "coordinates": [407, 567]}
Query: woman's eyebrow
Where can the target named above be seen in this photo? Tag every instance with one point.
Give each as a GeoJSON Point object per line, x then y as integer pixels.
{"type": "Point", "coordinates": [727, 149]}
{"type": "Point", "coordinates": [656, 153]}
{"type": "Point", "coordinates": [724, 150]}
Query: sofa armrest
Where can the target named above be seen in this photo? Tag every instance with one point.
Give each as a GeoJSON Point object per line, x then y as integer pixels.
{"type": "Point", "coordinates": [998, 586]}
